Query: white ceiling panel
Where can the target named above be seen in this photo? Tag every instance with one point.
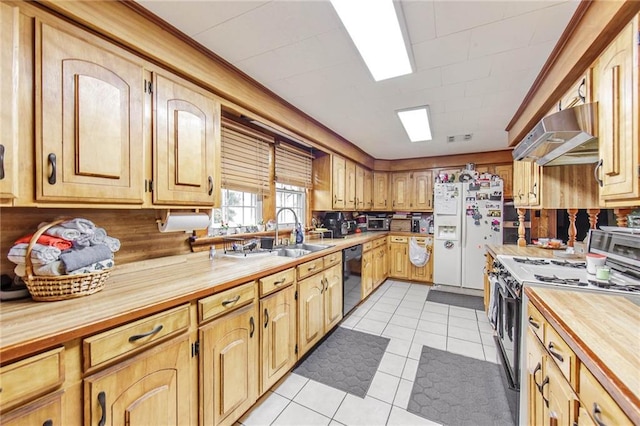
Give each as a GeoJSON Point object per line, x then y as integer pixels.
{"type": "Point", "coordinates": [474, 62]}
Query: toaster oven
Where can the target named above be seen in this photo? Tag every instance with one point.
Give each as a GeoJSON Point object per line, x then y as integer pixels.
{"type": "Point", "coordinates": [378, 223]}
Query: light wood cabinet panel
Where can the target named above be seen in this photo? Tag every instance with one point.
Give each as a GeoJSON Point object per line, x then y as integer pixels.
{"type": "Point", "coordinates": [359, 198]}
{"type": "Point", "coordinates": [401, 191]}
{"type": "Point", "coordinates": [521, 179]}
{"type": "Point", "coordinates": [505, 171]}
{"type": "Point", "coordinates": [398, 260]}
{"type": "Point", "coordinates": [422, 190]}
{"type": "Point", "coordinates": [338, 182]}
{"type": "Point", "coordinates": [535, 376]}
{"type": "Point", "coordinates": [9, 61]}
{"type": "Point", "coordinates": [277, 336]}
{"type": "Point", "coordinates": [350, 185]}
{"type": "Point", "coordinates": [89, 119]}
{"type": "Point", "coordinates": [332, 297]}
{"type": "Point", "coordinates": [563, 402]}
{"type": "Point", "coordinates": [46, 411]}
{"type": "Point", "coordinates": [310, 312]}
{"type": "Point", "coordinates": [601, 407]}
{"type": "Point", "coordinates": [277, 281]}
{"type": "Point", "coordinates": [618, 95]}
{"type": "Point", "coordinates": [381, 191]}
{"type": "Point", "coordinates": [367, 274]}
{"type": "Point", "coordinates": [152, 388]}
{"type": "Point", "coordinates": [380, 262]}
{"type": "Point", "coordinates": [562, 355]}
{"type": "Point", "coordinates": [186, 144]}
{"type": "Point", "coordinates": [226, 301]}
{"type": "Point", "coordinates": [423, 273]}
{"type": "Point", "coordinates": [367, 196]}
{"type": "Point", "coordinates": [229, 366]}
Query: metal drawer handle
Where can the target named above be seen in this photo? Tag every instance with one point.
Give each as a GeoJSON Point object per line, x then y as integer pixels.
{"type": "Point", "coordinates": [596, 174]}
{"type": "Point", "coordinates": [311, 268]}
{"type": "Point", "coordinates": [48, 422]}
{"type": "Point", "coordinates": [210, 179]}
{"type": "Point", "coordinates": [52, 162]}
{"type": "Point", "coordinates": [538, 368]}
{"type": "Point", "coordinates": [102, 400]}
{"type": "Point", "coordinates": [266, 317]}
{"type": "Point", "coordinates": [541, 389]}
{"type": "Point", "coordinates": [252, 328]}
{"type": "Point", "coordinates": [533, 323]}
{"type": "Point", "coordinates": [150, 333]}
{"type": "Point", "coordinates": [1, 162]}
{"type": "Point", "coordinates": [281, 281]}
{"type": "Point", "coordinates": [596, 414]}
{"type": "Point", "coordinates": [231, 302]}
{"type": "Point", "coordinates": [558, 356]}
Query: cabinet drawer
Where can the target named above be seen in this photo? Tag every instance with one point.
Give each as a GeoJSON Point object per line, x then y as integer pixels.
{"type": "Point", "coordinates": [379, 242]}
{"type": "Point", "coordinates": [597, 401]}
{"type": "Point", "coordinates": [310, 268]}
{"type": "Point", "coordinates": [562, 355]}
{"type": "Point", "coordinates": [367, 246]}
{"type": "Point", "coordinates": [227, 301]}
{"type": "Point", "coordinates": [276, 281]}
{"type": "Point", "coordinates": [31, 377]}
{"type": "Point", "coordinates": [332, 259]}
{"type": "Point", "coordinates": [130, 338]}
{"type": "Point", "coordinates": [397, 239]}
{"type": "Point", "coordinates": [536, 321]}
{"type": "Point", "coordinates": [44, 411]}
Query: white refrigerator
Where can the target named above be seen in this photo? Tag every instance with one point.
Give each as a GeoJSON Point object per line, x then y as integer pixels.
{"type": "Point", "coordinates": [466, 217]}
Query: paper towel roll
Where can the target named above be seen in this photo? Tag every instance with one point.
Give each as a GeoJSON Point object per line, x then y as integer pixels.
{"type": "Point", "coordinates": [185, 222]}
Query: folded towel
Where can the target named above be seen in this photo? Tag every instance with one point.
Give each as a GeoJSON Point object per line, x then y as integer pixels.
{"type": "Point", "coordinates": [94, 267]}
{"type": "Point", "coordinates": [112, 243]}
{"type": "Point", "coordinates": [61, 232]}
{"type": "Point", "coordinates": [52, 269]}
{"type": "Point", "coordinates": [84, 240]}
{"type": "Point", "coordinates": [75, 259]}
{"type": "Point", "coordinates": [40, 254]}
{"type": "Point", "coordinates": [47, 240]}
{"type": "Point", "coordinates": [98, 236]}
{"type": "Point", "coordinates": [83, 225]}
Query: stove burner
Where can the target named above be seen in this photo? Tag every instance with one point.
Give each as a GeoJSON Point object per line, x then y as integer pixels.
{"type": "Point", "coordinates": [632, 288]}
{"type": "Point", "coordinates": [577, 265]}
{"type": "Point", "coordinates": [528, 261]}
{"type": "Point", "coordinates": [555, 280]}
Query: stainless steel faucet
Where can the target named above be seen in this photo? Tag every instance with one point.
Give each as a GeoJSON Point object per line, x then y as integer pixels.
{"type": "Point", "coordinates": [294, 216]}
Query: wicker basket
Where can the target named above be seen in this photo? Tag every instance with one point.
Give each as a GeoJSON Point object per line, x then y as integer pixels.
{"type": "Point", "coordinates": [50, 289]}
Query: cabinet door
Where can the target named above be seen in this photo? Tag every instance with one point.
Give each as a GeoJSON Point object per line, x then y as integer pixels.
{"type": "Point", "coordinates": [367, 196]}
{"type": "Point", "coordinates": [89, 112]}
{"type": "Point", "coordinates": [9, 27]}
{"type": "Point", "coordinates": [422, 190]}
{"type": "Point", "coordinates": [367, 274]}
{"type": "Point", "coordinates": [381, 191]}
{"type": "Point", "coordinates": [310, 312]}
{"type": "Point", "coordinates": [423, 273]}
{"type": "Point", "coordinates": [535, 184]}
{"type": "Point", "coordinates": [332, 297]}
{"type": "Point", "coordinates": [400, 191]}
{"type": "Point", "coordinates": [359, 188]}
{"type": "Point", "coordinates": [338, 181]}
{"type": "Point", "coordinates": [152, 388]}
{"type": "Point", "coordinates": [505, 171]}
{"type": "Point", "coordinates": [277, 336]}
{"type": "Point", "coordinates": [563, 403]}
{"type": "Point", "coordinates": [229, 366]}
{"type": "Point", "coordinates": [616, 77]}
{"type": "Point", "coordinates": [45, 411]}
{"type": "Point", "coordinates": [399, 260]}
{"type": "Point", "coordinates": [350, 185]}
{"type": "Point", "coordinates": [535, 370]}
{"type": "Point", "coordinates": [186, 144]}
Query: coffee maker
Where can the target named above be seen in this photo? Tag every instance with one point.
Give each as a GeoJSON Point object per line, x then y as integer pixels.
{"type": "Point", "coordinates": [336, 223]}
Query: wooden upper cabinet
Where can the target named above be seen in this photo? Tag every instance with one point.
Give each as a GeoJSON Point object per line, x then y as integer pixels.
{"type": "Point", "coordinates": [338, 182]}
{"type": "Point", "coordinates": [381, 191]}
{"type": "Point", "coordinates": [350, 185]}
{"type": "Point", "coordinates": [367, 196]}
{"type": "Point", "coordinates": [9, 17]}
{"type": "Point", "coordinates": [505, 171]}
{"type": "Point", "coordinates": [422, 190]}
{"type": "Point", "coordinates": [521, 179]}
{"type": "Point", "coordinates": [359, 188]}
{"type": "Point", "coordinates": [617, 93]}
{"type": "Point", "coordinates": [401, 191]}
{"type": "Point", "coordinates": [89, 119]}
{"type": "Point", "coordinates": [186, 144]}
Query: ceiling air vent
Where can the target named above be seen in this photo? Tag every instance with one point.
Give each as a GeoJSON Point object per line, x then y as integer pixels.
{"type": "Point", "coordinates": [460, 138]}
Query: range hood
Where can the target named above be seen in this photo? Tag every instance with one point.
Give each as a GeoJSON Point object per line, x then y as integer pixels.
{"type": "Point", "coordinates": [564, 137]}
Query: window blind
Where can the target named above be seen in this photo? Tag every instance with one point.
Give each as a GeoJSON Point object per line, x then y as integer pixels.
{"type": "Point", "coordinates": [293, 166]}
{"type": "Point", "coordinates": [245, 158]}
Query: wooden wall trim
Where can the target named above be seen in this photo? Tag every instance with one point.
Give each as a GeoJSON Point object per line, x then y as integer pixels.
{"type": "Point", "coordinates": [594, 25]}
{"type": "Point", "coordinates": [444, 161]}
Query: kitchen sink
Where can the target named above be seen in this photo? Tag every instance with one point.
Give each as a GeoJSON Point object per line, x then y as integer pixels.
{"type": "Point", "coordinates": [298, 250]}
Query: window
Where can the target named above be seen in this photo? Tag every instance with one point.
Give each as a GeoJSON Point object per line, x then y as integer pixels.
{"type": "Point", "coordinates": [293, 197]}
{"type": "Point", "coordinates": [237, 209]}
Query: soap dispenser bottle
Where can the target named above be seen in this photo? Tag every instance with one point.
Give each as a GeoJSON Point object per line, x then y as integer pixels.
{"type": "Point", "coordinates": [299, 234]}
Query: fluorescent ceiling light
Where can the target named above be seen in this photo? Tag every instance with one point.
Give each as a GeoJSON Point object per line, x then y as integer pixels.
{"type": "Point", "coordinates": [416, 123]}
{"type": "Point", "coordinates": [374, 28]}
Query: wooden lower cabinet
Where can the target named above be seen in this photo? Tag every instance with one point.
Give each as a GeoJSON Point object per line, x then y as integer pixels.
{"type": "Point", "coordinates": [154, 387]}
{"type": "Point", "coordinates": [535, 377]}
{"type": "Point", "coordinates": [398, 257]}
{"type": "Point", "coordinates": [46, 411]}
{"type": "Point", "coordinates": [367, 274]}
{"type": "Point", "coordinates": [277, 336]}
{"type": "Point", "coordinates": [563, 402]}
{"type": "Point", "coordinates": [229, 366]}
{"type": "Point", "coordinates": [381, 265]}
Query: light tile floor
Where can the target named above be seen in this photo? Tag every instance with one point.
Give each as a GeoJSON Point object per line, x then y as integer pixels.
{"type": "Point", "coordinates": [397, 310]}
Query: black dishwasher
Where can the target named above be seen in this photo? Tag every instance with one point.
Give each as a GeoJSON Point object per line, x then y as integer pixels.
{"type": "Point", "coordinates": [351, 270]}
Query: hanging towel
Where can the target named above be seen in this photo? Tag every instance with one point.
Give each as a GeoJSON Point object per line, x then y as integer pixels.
{"type": "Point", "coordinates": [83, 225]}
{"type": "Point", "coordinates": [61, 232]}
{"type": "Point", "coordinates": [52, 269]}
{"type": "Point", "coordinates": [47, 240]}
{"type": "Point", "coordinates": [75, 259]}
{"type": "Point", "coordinates": [40, 254]}
{"type": "Point", "coordinates": [94, 267]}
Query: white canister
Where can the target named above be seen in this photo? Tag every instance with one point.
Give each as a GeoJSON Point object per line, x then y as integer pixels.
{"type": "Point", "coordinates": [593, 261]}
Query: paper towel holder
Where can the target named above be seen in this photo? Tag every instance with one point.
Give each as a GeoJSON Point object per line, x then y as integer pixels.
{"type": "Point", "coordinates": [183, 221]}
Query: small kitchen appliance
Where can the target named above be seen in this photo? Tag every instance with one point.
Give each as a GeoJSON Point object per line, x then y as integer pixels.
{"type": "Point", "coordinates": [336, 223]}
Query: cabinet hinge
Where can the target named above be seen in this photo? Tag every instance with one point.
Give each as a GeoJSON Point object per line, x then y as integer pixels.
{"type": "Point", "coordinates": [195, 348]}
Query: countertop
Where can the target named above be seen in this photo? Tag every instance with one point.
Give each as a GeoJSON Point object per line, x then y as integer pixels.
{"type": "Point", "coordinates": [139, 289]}
{"type": "Point", "coordinates": [603, 329]}
{"type": "Point", "coordinates": [528, 251]}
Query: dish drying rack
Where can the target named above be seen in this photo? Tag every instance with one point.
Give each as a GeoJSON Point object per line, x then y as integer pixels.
{"type": "Point", "coordinates": [243, 245]}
